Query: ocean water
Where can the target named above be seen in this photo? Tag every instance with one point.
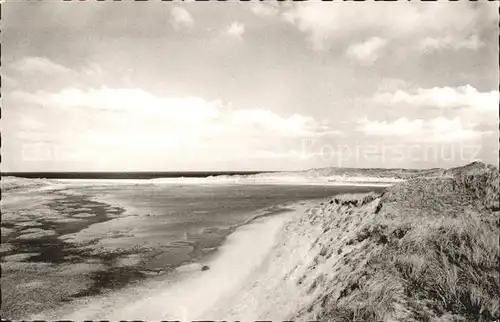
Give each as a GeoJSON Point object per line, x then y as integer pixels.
{"type": "Point", "coordinates": [127, 175]}
{"type": "Point", "coordinates": [159, 226]}
{"type": "Point", "coordinates": [202, 213]}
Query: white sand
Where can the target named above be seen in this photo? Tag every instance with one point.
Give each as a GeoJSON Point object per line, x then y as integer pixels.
{"type": "Point", "coordinates": [270, 292]}
{"type": "Point", "coordinates": [193, 293]}
{"type": "Point", "coordinates": [36, 233]}
{"type": "Point", "coordinates": [6, 247]}
{"type": "Point", "coordinates": [6, 231]}
{"type": "Point", "coordinates": [29, 224]}
{"type": "Point", "coordinates": [19, 257]}
{"type": "Point", "coordinates": [66, 220]}
{"type": "Point", "coordinates": [129, 260]}
{"type": "Point", "coordinates": [84, 215]}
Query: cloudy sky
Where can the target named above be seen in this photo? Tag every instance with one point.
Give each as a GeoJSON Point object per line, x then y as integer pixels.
{"type": "Point", "coordinates": [99, 86]}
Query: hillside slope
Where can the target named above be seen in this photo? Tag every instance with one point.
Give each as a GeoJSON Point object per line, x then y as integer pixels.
{"type": "Point", "coordinates": [9, 184]}
{"type": "Point", "coordinates": [425, 250]}
{"type": "Point", "coordinates": [397, 173]}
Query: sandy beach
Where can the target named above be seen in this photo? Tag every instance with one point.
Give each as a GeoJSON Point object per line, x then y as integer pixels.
{"type": "Point", "coordinates": [262, 271]}
{"type": "Point", "coordinates": [192, 293]}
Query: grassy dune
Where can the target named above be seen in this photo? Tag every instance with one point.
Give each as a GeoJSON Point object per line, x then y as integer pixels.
{"type": "Point", "coordinates": [424, 250]}
{"type": "Point", "coordinates": [397, 173]}
{"type": "Point", "coordinates": [9, 184]}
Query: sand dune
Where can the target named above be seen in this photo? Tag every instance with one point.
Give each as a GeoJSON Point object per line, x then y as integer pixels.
{"type": "Point", "coordinates": [426, 249]}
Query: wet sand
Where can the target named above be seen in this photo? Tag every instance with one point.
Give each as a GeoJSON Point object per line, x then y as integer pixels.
{"type": "Point", "coordinates": [34, 258]}
{"type": "Point", "coordinates": [190, 292]}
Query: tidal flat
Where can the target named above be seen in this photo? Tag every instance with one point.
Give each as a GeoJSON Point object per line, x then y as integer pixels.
{"type": "Point", "coordinates": [65, 242]}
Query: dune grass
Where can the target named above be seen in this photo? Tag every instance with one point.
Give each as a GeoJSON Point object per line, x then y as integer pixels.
{"type": "Point", "coordinates": [425, 250]}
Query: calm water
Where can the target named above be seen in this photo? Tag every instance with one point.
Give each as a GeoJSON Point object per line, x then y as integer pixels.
{"type": "Point", "coordinates": [126, 175]}
{"type": "Point", "coordinates": [184, 221]}
{"type": "Point", "coordinates": [189, 221]}
{"type": "Point", "coordinates": [178, 209]}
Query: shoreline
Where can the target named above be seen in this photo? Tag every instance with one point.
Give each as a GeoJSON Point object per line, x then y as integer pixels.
{"type": "Point", "coordinates": [364, 181]}
{"type": "Point", "coordinates": [269, 292]}
{"type": "Point", "coordinates": [381, 256]}
{"type": "Point", "coordinates": [132, 277]}
{"type": "Point", "coordinates": [157, 271]}
{"type": "Point", "coordinates": [235, 259]}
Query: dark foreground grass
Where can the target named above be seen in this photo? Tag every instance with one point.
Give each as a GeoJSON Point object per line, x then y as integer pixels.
{"type": "Point", "coordinates": [427, 251]}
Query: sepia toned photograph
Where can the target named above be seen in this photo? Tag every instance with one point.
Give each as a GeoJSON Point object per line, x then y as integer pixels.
{"type": "Point", "coordinates": [300, 161]}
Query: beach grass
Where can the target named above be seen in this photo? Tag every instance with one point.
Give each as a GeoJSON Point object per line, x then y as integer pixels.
{"type": "Point", "coordinates": [424, 250]}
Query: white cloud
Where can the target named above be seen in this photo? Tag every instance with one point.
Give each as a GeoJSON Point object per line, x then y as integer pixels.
{"type": "Point", "coordinates": [35, 71]}
{"type": "Point", "coordinates": [137, 129]}
{"type": "Point", "coordinates": [401, 126]}
{"type": "Point", "coordinates": [7, 80]}
{"type": "Point", "coordinates": [327, 23]}
{"type": "Point", "coordinates": [132, 116]}
{"type": "Point", "coordinates": [442, 97]}
{"type": "Point", "coordinates": [129, 100]}
{"type": "Point", "coordinates": [431, 44]}
{"type": "Point", "coordinates": [39, 65]}
{"type": "Point", "coordinates": [266, 9]}
{"type": "Point", "coordinates": [295, 125]}
{"type": "Point", "coordinates": [438, 129]}
{"type": "Point", "coordinates": [93, 70]}
{"type": "Point", "coordinates": [236, 29]}
{"type": "Point", "coordinates": [180, 17]}
{"type": "Point", "coordinates": [368, 51]}
{"type": "Point", "coordinates": [283, 155]}
{"type": "Point", "coordinates": [30, 124]}
{"type": "Point", "coordinates": [392, 84]}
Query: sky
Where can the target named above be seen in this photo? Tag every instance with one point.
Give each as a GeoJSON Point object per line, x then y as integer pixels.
{"type": "Point", "coordinates": [234, 86]}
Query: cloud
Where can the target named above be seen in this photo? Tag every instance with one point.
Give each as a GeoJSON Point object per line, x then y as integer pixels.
{"type": "Point", "coordinates": [127, 100]}
{"type": "Point", "coordinates": [261, 119]}
{"type": "Point", "coordinates": [39, 65]}
{"type": "Point", "coordinates": [132, 111]}
{"type": "Point", "coordinates": [181, 18]}
{"type": "Point", "coordinates": [327, 24]}
{"type": "Point", "coordinates": [283, 155]}
{"type": "Point", "coordinates": [401, 126]}
{"type": "Point", "coordinates": [30, 124]}
{"type": "Point", "coordinates": [442, 97]}
{"type": "Point", "coordinates": [392, 84]}
{"type": "Point", "coordinates": [34, 71]}
{"type": "Point", "coordinates": [268, 9]}
{"type": "Point", "coordinates": [236, 29]}
{"type": "Point", "coordinates": [148, 131]}
{"type": "Point", "coordinates": [431, 44]}
{"type": "Point", "coordinates": [419, 130]}
{"type": "Point", "coordinates": [9, 81]}
{"type": "Point", "coordinates": [368, 51]}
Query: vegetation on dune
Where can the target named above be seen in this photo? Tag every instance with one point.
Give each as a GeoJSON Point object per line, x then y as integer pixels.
{"type": "Point", "coordinates": [425, 250]}
{"type": "Point", "coordinates": [9, 184]}
{"type": "Point", "coordinates": [398, 173]}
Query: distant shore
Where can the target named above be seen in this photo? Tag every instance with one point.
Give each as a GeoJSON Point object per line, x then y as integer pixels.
{"type": "Point", "coordinates": [361, 181]}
